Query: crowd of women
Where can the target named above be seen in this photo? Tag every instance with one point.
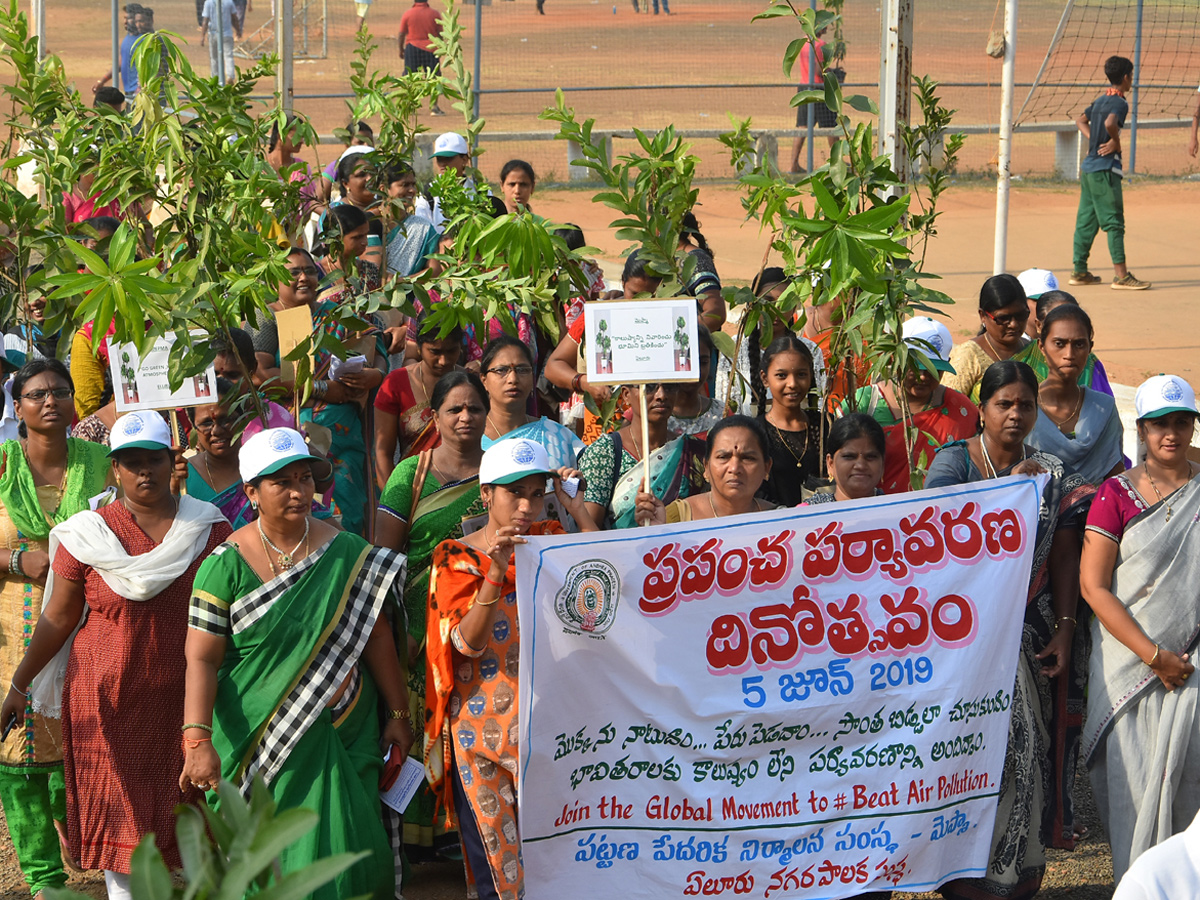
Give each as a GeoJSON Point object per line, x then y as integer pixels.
{"type": "Point", "coordinates": [290, 602]}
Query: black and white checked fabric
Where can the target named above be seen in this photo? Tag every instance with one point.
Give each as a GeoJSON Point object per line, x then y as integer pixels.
{"type": "Point", "coordinates": [377, 570]}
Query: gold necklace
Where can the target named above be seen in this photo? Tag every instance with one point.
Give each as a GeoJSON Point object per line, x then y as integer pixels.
{"type": "Point", "coordinates": [286, 560]}
{"type": "Point", "coordinates": [999, 358]}
{"type": "Point", "coordinates": [1158, 493]}
{"type": "Point", "coordinates": [421, 381]}
{"type": "Point", "coordinates": [788, 447]}
{"type": "Point", "coordinates": [637, 447]}
{"type": "Point", "coordinates": [1063, 422]}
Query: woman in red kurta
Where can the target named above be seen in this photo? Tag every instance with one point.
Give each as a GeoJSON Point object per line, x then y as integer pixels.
{"type": "Point", "coordinates": [132, 563]}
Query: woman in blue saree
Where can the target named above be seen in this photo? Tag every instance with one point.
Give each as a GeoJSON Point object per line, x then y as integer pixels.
{"type": "Point", "coordinates": [1079, 425]}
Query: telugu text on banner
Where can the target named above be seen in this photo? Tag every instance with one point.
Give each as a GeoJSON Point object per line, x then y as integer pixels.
{"type": "Point", "coordinates": [810, 703]}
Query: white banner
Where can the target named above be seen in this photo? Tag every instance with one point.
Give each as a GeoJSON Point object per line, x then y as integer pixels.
{"type": "Point", "coordinates": [809, 703]}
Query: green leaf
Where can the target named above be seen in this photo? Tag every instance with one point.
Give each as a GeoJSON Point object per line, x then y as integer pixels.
{"type": "Point", "coordinates": [724, 344]}
{"type": "Point", "coordinates": [301, 884]}
{"type": "Point", "coordinates": [148, 875]}
{"type": "Point", "coordinates": [862, 104]}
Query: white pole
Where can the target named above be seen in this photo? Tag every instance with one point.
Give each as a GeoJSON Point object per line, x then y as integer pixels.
{"type": "Point", "coordinates": [1003, 177]}
{"type": "Point", "coordinates": [898, 36]}
{"type": "Point", "coordinates": [38, 9]}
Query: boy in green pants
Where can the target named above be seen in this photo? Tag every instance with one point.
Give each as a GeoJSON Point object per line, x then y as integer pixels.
{"type": "Point", "coordinates": [1100, 202]}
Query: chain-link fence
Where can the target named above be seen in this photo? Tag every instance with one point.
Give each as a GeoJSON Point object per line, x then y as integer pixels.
{"type": "Point", "coordinates": [635, 69]}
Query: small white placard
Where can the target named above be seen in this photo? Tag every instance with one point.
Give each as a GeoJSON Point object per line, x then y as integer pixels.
{"type": "Point", "coordinates": [400, 794]}
{"type": "Point", "coordinates": [141, 382]}
{"type": "Point", "coordinates": [638, 341]}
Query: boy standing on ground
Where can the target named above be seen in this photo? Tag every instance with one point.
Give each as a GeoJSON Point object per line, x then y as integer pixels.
{"type": "Point", "coordinates": [1100, 203]}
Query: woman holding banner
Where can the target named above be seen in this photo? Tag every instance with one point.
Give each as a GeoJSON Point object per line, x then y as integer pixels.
{"type": "Point", "coordinates": [612, 464]}
{"type": "Point", "coordinates": [736, 463]}
{"type": "Point", "coordinates": [1037, 785]}
{"type": "Point", "coordinates": [471, 681]}
{"type": "Point", "coordinates": [1139, 573]}
{"type": "Point", "coordinates": [1035, 805]}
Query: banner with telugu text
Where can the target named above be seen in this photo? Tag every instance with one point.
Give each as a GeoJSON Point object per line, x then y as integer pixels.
{"type": "Point", "coordinates": [807, 703]}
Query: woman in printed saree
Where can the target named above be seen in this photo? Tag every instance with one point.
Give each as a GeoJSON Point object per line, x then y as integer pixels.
{"type": "Point", "coordinates": [1139, 574]}
{"type": "Point", "coordinates": [431, 498]}
{"type": "Point", "coordinates": [1003, 312]}
{"type": "Point", "coordinates": [403, 416]}
{"type": "Point", "coordinates": [1036, 788]}
{"type": "Point", "coordinates": [471, 686]}
{"type": "Point", "coordinates": [410, 239]}
{"type": "Point", "coordinates": [736, 462]}
{"type": "Point", "coordinates": [613, 464]}
{"type": "Point", "coordinates": [290, 665]}
{"type": "Point", "coordinates": [695, 411]}
{"type": "Point", "coordinates": [213, 472]}
{"type": "Point", "coordinates": [341, 401]}
{"type": "Point", "coordinates": [508, 374]}
{"type": "Point", "coordinates": [1079, 425]}
{"type": "Point", "coordinates": [45, 478]}
{"type": "Point", "coordinates": [1092, 375]}
{"type": "Point", "coordinates": [118, 682]}
{"type": "Point", "coordinates": [939, 414]}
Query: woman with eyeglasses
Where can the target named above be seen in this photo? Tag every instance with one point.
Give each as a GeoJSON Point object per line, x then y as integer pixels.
{"type": "Point", "coordinates": [45, 478]}
{"type": "Point", "coordinates": [213, 472]}
{"type": "Point", "coordinates": [508, 375]}
{"type": "Point", "coordinates": [1003, 311]}
{"type": "Point", "coordinates": [613, 467]}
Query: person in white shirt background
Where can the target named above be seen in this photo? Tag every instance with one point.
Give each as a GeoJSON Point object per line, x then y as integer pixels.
{"type": "Point", "coordinates": [208, 32]}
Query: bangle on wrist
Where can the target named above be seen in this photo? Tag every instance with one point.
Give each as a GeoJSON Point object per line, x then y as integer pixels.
{"type": "Point", "coordinates": [13, 685]}
{"type": "Point", "coordinates": [1062, 619]}
{"type": "Point", "coordinates": [402, 714]}
{"type": "Point", "coordinates": [575, 382]}
{"type": "Point", "coordinates": [320, 388]}
{"type": "Point", "coordinates": [497, 584]}
{"type": "Point", "coordinates": [199, 725]}
{"type": "Point", "coordinates": [1154, 658]}
{"type": "Point", "coordinates": [193, 743]}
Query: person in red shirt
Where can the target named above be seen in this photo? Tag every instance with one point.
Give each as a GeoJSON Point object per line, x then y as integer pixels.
{"type": "Point", "coordinates": [418, 24]}
{"type": "Point", "coordinates": [823, 116]}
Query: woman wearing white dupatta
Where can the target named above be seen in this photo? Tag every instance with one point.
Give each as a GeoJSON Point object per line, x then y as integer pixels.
{"type": "Point", "coordinates": [108, 656]}
{"type": "Point", "coordinates": [1141, 559]}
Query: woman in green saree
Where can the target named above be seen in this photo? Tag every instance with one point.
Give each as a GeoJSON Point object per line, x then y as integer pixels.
{"type": "Point", "coordinates": [430, 498]}
{"type": "Point", "coordinates": [288, 658]}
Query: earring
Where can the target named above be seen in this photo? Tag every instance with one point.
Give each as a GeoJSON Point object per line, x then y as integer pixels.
{"type": "Point", "coordinates": [254, 505]}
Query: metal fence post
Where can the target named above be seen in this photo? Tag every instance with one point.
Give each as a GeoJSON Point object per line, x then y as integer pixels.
{"type": "Point", "coordinates": [116, 45]}
{"type": "Point", "coordinates": [219, 12]}
{"type": "Point", "coordinates": [284, 41]}
{"type": "Point", "coordinates": [478, 52]}
{"type": "Point", "coordinates": [1137, 74]}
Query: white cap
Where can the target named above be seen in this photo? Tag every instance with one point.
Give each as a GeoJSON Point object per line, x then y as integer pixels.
{"type": "Point", "coordinates": [1037, 282]}
{"type": "Point", "coordinates": [139, 431]}
{"type": "Point", "coordinates": [932, 338]}
{"type": "Point", "coordinates": [507, 461]}
{"type": "Point", "coordinates": [1164, 394]}
{"type": "Point", "coordinates": [356, 150]}
{"type": "Point", "coordinates": [450, 144]}
{"type": "Point", "coordinates": [270, 450]}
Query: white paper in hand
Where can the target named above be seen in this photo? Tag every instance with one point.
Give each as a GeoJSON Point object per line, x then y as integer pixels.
{"type": "Point", "coordinates": [405, 788]}
{"type": "Point", "coordinates": [351, 366]}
